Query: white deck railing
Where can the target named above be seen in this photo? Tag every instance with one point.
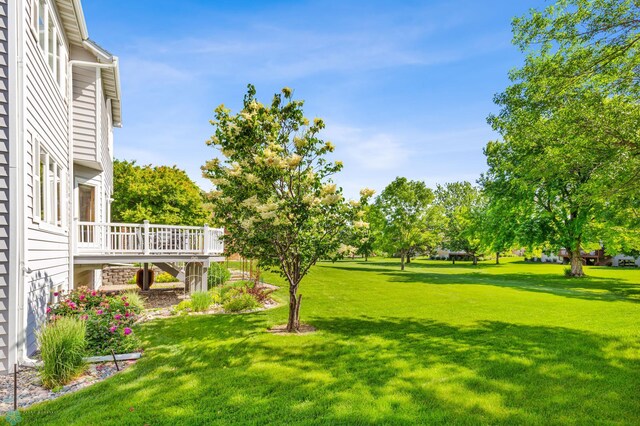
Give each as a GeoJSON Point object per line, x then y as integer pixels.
{"type": "Point", "coordinates": [146, 239]}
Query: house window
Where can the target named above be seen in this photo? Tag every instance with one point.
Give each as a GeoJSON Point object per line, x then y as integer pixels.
{"type": "Point", "coordinates": [48, 188]}
{"type": "Point", "coordinates": [49, 38]}
{"type": "Point", "coordinates": [41, 24]}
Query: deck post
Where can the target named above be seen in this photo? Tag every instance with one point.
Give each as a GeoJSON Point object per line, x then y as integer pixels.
{"type": "Point", "coordinates": [207, 239]}
{"type": "Point", "coordinates": [145, 237]}
{"type": "Point", "coordinates": [204, 279]}
{"type": "Point", "coordinates": [145, 277]}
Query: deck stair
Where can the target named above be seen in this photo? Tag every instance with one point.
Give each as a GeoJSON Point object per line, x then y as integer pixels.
{"type": "Point", "coordinates": [172, 269]}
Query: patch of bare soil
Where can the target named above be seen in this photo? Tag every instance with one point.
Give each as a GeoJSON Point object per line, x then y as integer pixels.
{"type": "Point", "coordinates": [282, 329]}
{"type": "Point", "coordinates": [157, 298]}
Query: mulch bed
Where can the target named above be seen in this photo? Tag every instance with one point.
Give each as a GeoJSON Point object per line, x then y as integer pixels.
{"type": "Point", "coordinates": [31, 391]}
{"type": "Point", "coordinates": [282, 329]}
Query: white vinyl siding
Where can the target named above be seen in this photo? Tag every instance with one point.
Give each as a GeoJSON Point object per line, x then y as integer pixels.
{"type": "Point", "coordinates": [46, 120]}
{"type": "Point", "coordinates": [5, 186]}
{"type": "Point", "coordinates": [84, 114]}
{"type": "Point", "coordinates": [106, 144]}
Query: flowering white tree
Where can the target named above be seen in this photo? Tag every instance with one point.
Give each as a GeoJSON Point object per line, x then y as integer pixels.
{"type": "Point", "coordinates": [273, 191]}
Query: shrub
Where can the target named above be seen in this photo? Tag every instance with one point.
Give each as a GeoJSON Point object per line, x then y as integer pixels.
{"type": "Point", "coordinates": [240, 302]}
{"type": "Point", "coordinates": [200, 301]}
{"type": "Point", "coordinates": [218, 274]}
{"type": "Point", "coordinates": [135, 300]}
{"type": "Point", "coordinates": [164, 277]}
{"type": "Point", "coordinates": [62, 346]}
{"type": "Point", "coordinates": [109, 319]}
{"type": "Point", "coordinates": [182, 307]}
{"type": "Point", "coordinates": [261, 294]}
{"type": "Point", "coordinates": [215, 296]}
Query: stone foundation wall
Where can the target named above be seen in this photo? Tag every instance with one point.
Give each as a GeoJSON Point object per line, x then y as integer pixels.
{"type": "Point", "coordinates": [120, 275]}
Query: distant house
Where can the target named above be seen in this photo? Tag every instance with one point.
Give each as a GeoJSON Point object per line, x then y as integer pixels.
{"type": "Point", "coordinates": [59, 102]}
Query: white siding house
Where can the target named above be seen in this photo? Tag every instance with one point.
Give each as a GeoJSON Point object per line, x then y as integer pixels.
{"type": "Point", "coordinates": [59, 102]}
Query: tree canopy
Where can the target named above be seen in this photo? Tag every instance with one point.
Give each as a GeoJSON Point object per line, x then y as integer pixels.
{"type": "Point", "coordinates": [463, 207]}
{"type": "Point", "coordinates": [274, 193]}
{"type": "Point", "coordinates": [568, 162]}
{"type": "Point", "coordinates": [405, 218]}
{"type": "Point", "coordinates": [159, 194]}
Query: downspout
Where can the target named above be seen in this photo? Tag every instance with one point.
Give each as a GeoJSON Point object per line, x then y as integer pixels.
{"type": "Point", "coordinates": [15, 329]}
{"type": "Point", "coordinates": [71, 189]}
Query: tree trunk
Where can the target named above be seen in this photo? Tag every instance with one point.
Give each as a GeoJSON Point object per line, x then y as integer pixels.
{"type": "Point", "coordinates": [497, 258]}
{"type": "Point", "coordinates": [402, 261]}
{"type": "Point", "coordinates": [576, 263]}
{"type": "Point", "coordinates": [293, 324]}
{"type": "Point", "coordinates": [366, 257]}
{"type": "Point", "coordinates": [453, 259]}
{"type": "Point", "coordinates": [408, 259]}
{"type": "Point", "coordinates": [475, 259]}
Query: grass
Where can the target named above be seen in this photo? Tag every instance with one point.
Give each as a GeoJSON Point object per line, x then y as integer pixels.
{"type": "Point", "coordinates": [201, 301]}
{"type": "Point", "coordinates": [62, 348]}
{"type": "Point", "coordinates": [437, 344]}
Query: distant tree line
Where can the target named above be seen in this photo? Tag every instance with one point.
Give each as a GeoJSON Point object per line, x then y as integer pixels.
{"type": "Point", "coordinates": [565, 172]}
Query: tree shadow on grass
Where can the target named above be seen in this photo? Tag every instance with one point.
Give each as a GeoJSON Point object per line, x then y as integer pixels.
{"type": "Point", "coordinates": [588, 288]}
{"type": "Point", "coordinates": [227, 370]}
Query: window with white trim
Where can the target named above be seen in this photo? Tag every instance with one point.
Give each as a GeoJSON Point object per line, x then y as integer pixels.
{"type": "Point", "coordinates": [48, 188]}
{"type": "Point", "coordinates": [49, 37]}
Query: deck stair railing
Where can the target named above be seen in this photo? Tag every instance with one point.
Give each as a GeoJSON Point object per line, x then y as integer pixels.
{"type": "Point", "coordinates": [147, 239]}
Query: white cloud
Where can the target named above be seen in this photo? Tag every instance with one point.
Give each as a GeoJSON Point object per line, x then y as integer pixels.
{"type": "Point", "coordinates": [368, 150]}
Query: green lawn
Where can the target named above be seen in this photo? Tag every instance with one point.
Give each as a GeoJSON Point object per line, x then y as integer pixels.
{"type": "Point", "coordinates": [437, 344]}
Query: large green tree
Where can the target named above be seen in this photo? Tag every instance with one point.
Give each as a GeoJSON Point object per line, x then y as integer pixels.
{"type": "Point", "coordinates": [159, 194]}
{"type": "Point", "coordinates": [405, 219]}
{"type": "Point", "coordinates": [568, 160]}
{"type": "Point", "coordinates": [274, 193]}
{"type": "Point", "coordinates": [464, 209]}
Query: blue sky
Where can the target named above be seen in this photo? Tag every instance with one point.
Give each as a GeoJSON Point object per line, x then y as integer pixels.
{"type": "Point", "coordinates": [404, 87]}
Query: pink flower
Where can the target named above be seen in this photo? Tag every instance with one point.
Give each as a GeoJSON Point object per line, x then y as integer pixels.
{"type": "Point", "coordinates": [117, 316]}
{"type": "Point", "coordinates": [124, 298]}
{"type": "Point", "coordinates": [113, 329]}
{"type": "Point", "coordinates": [81, 297]}
{"type": "Point", "coordinates": [99, 312]}
{"type": "Point", "coordinates": [72, 305]}
{"type": "Point", "coordinates": [127, 331]}
{"type": "Point", "coordinates": [127, 315]}
{"type": "Point", "coordinates": [84, 317]}
{"type": "Point", "coordinates": [55, 294]}
{"type": "Point", "coordinates": [93, 293]}
{"type": "Point", "coordinates": [126, 303]}
{"type": "Point", "coordinates": [48, 309]}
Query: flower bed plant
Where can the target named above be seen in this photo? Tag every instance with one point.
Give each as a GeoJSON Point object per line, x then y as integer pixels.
{"type": "Point", "coordinates": [109, 319]}
{"type": "Point", "coordinates": [62, 347]}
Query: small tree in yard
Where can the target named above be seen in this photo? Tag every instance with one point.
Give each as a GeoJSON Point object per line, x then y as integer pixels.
{"type": "Point", "coordinates": [404, 218]}
{"type": "Point", "coordinates": [273, 192]}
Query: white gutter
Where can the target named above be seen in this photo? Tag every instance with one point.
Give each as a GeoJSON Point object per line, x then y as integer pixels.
{"type": "Point", "coordinates": [84, 35]}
